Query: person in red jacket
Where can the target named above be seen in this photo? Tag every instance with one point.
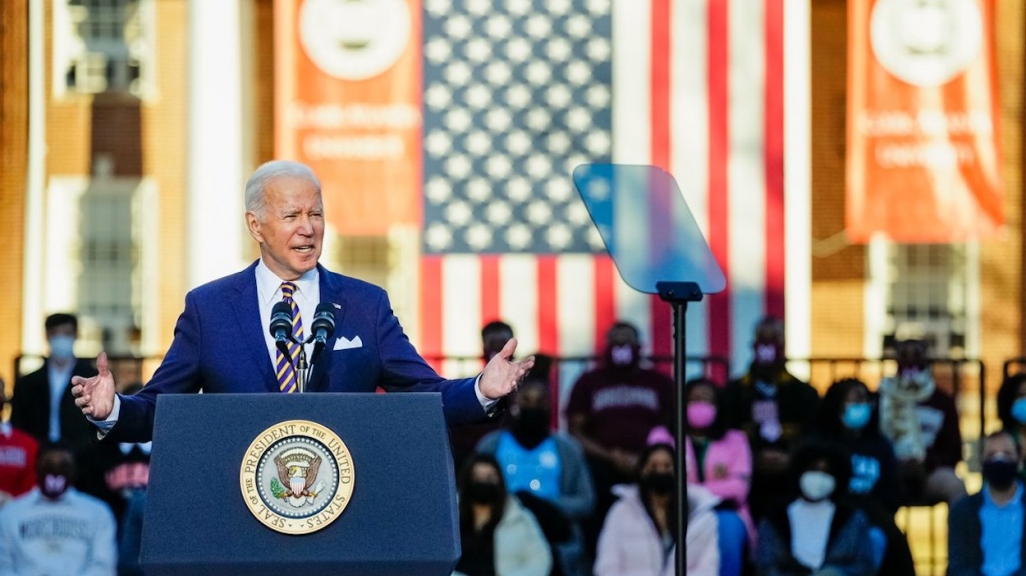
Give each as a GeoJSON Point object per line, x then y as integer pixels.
{"type": "Point", "coordinates": [17, 459]}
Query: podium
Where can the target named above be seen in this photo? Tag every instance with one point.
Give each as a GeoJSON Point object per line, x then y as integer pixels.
{"type": "Point", "coordinates": [399, 518]}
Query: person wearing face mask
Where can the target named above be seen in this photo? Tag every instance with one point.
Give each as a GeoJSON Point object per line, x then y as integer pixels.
{"type": "Point", "coordinates": [43, 405]}
{"type": "Point", "coordinates": [921, 421]}
{"type": "Point", "coordinates": [17, 459]}
{"type": "Point", "coordinates": [774, 408]}
{"type": "Point", "coordinates": [546, 470]}
{"type": "Point", "coordinates": [817, 533]}
{"type": "Point", "coordinates": [54, 529]}
{"type": "Point", "coordinates": [847, 416]}
{"type": "Point", "coordinates": [717, 458]}
{"type": "Point", "coordinates": [637, 538]}
{"type": "Point", "coordinates": [464, 438]}
{"type": "Point", "coordinates": [985, 530]}
{"type": "Point", "coordinates": [1011, 407]}
{"type": "Point", "coordinates": [498, 536]}
{"type": "Point", "coordinates": [611, 410]}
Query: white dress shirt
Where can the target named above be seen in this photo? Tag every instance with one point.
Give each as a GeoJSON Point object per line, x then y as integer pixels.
{"type": "Point", "coordinates": [307, 295]}
{"type": "Point", "coordinates": [58, 378]}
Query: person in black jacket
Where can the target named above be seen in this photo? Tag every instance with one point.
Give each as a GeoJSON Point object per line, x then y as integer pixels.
{"type": "Point", "coordinates": [848, 416]}
{"type": "Point", "coordinates": [775, 408]}
{"type": "Point", "coordinates": [817, 533]}
{"type": "Point", "coordinates": [985, 530]}
{"type": "Point", "coordinates": [43, 405]}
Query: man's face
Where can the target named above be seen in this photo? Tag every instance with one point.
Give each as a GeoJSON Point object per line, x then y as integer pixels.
{"type": "Point", "coordinates": [622, 336]}
{"type": "Point", "coordinates": [1000, 447]}
{"type": "Point", "coordinates": [291, 231]}
{"type": "Point", "coordinates": [55, 472]}
{"type": "Point", "coordinates": [911, 356]}
{"type": "Point", "coordinates": [532, 398]}
{"type": "Point", "coordinates": [61, 330]}
{"type": "Point", "coordinates": [62, 341]}
{"type": "Point", "coordinates": [769, 344]}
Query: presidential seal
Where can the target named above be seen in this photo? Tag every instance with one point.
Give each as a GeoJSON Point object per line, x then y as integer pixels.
{"type": "Point", "coordinates": [297, 477]}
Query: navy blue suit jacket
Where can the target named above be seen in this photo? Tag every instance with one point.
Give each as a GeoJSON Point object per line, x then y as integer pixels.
{"type": "Point", "coordinates": [219, 346]}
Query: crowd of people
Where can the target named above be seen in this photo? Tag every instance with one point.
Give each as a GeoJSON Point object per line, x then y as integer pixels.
{"type": "Point", "coordinates": [68, 506]}
{"type": "Point", "coordinates": [781, 481]}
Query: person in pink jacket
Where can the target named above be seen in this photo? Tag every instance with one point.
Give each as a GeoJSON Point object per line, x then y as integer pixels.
{"type": "Point", "coordinates": [637, 538]}
{"type": "Point", "coordinates": [718, 458]}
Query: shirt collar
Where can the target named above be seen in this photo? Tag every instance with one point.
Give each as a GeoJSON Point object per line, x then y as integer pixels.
{"type": "Point", "coordinates": [1015, 501]}
{"type": "Point", "coordinates": [269, 285]}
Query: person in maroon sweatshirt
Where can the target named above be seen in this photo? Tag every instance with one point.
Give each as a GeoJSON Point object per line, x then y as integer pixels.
{"type": "Point", "coordinates": [17, 459]}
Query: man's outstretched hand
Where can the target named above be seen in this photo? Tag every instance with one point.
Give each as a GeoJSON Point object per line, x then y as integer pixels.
{"type": "Point", "coordinates": [95, 396]}
{"type": "Point", "coordinates": [502, 375]}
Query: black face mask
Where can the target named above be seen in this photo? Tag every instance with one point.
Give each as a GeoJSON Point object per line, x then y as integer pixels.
{"type": "Point", "coordinates": [483, 492]}
{"type": "Point", "coordinates": [1000, 474]}
{"type": "Point", "coordinates": [660, 483]}
{"type": "Point", "coordinates": [531, 426]}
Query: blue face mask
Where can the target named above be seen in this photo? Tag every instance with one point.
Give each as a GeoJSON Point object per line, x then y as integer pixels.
{"type": "Point", "coordinates": [1019, 410]}
{"type": "Point", "coordinates": [62, 347]}
{"type": "Point", "coordinates": [856, 416]}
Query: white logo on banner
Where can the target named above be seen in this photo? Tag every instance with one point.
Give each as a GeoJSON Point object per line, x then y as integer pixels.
{"type": "Point", "coordinates": [926, 43]}
{"type": "Point", "coordinates": [354, 39]}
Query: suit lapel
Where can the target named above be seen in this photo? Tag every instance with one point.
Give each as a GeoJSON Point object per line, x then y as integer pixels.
{"type": "Point", "coordinates": [331, 292]}
{"type": "Point", "coordinates": [247, 312]}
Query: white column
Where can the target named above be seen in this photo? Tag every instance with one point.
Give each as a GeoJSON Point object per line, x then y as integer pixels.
{"type": "Point", "coordinates": [215, 157]}
{"type": "Point", "coordinates": [32, 337]}
{"type": "Point", "coordinates": [798, 180]}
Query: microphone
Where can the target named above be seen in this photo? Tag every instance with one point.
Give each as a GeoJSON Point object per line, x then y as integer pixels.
{"type": "Point", "coordinates": [323, 325]}
{"type": "Point", "coordinates": [281, 326]}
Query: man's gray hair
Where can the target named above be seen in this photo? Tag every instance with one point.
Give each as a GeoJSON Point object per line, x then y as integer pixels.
{"type": "Point", "coordinates": [255, 201]}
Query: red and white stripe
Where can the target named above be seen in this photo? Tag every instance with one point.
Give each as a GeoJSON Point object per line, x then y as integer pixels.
{"type": "Point", "coordinates": [709, 106]}
{"type": "Point", "coordinates": [704, 98]}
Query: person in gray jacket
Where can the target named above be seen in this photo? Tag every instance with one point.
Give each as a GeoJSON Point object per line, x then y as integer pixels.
{"type": "Point", "coordinates": [546, 470]}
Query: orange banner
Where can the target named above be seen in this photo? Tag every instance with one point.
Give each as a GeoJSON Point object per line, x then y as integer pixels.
{"type": "Point", "coordinates": [348, 103]}
{"type": "Point", "coordinates": [924, 164]}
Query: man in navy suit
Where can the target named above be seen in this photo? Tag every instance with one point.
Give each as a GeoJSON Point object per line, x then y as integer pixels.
{"type": "Point", "coordinates": [223, 343]}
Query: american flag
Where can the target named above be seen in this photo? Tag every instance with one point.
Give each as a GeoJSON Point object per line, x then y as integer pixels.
{"type": "Point", "coordinates": [519, 92]}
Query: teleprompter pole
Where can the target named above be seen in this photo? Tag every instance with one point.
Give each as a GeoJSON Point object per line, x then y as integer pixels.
{"type": "Point", "coordinates": [678, 294]}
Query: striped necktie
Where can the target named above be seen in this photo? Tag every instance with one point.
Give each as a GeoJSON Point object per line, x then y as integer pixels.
{"type": "Point", "coordinates": [284, 367]}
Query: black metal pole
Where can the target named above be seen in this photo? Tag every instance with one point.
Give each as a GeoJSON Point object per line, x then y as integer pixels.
{"type": "Point", "coordinates": [678, 294]}
{"type": "Point", "coordinates": [679, 366]}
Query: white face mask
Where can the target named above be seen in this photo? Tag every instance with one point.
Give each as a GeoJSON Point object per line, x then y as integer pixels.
{"type": "Point", "coordinates": [816, 485]}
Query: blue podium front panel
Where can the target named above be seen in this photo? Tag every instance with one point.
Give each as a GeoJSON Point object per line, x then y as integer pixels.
{"type": "Point", "coordinates": [399, 519]}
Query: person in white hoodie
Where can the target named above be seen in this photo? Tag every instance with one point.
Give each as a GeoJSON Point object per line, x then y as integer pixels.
{"type": "Point", "coordinates": [498, 536]}
{"type": "Point", "coordinates": [54, 529]}
{"type": "Point", "coordinates": [637, 538]}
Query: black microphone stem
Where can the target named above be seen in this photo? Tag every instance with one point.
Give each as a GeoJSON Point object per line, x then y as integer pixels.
{"type": "Point", "coordinates": [301, 371]}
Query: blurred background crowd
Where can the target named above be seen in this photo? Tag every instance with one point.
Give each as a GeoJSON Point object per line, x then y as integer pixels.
{"type": "Point", "coordinates": [781, 478]}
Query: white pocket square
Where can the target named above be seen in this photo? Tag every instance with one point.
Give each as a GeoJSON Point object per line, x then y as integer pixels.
{"type": "Point", "coordinates": [343, 343]}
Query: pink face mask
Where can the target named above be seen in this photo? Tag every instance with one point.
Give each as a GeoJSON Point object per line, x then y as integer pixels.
{"type": "Point", "coordinates": [701, 415]}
